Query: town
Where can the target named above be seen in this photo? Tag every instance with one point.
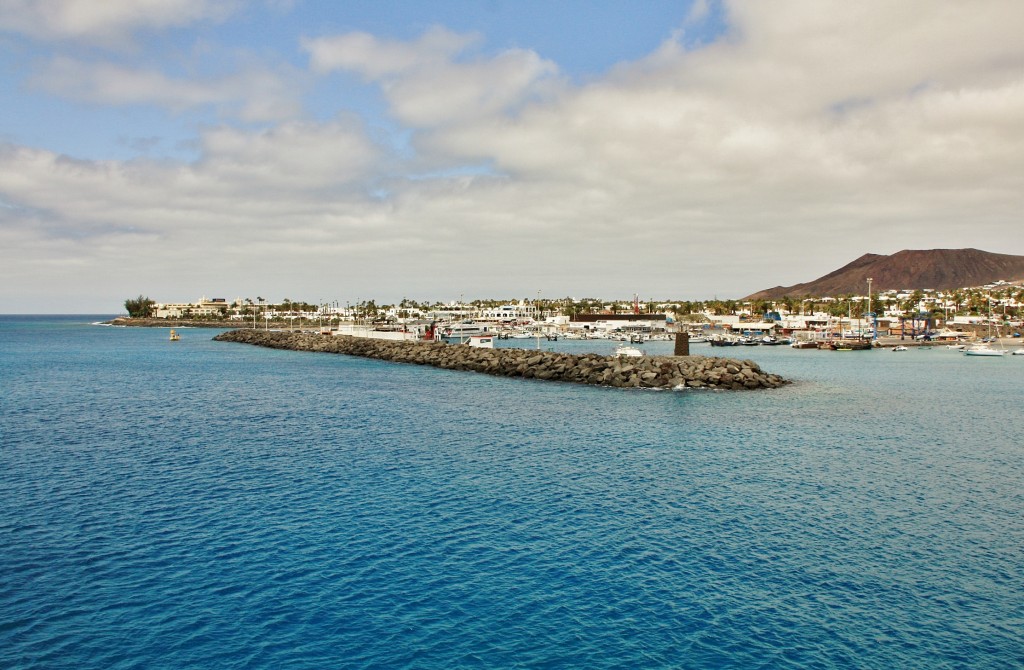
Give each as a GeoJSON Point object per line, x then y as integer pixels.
{"type": "Point", "coordinates": [921, 314]}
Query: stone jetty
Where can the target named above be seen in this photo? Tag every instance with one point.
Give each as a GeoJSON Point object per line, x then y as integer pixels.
{"type": "Point", "coordinates": [660, 372]}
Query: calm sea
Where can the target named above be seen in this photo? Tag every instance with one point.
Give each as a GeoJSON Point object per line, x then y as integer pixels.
{"type": "Point", "coordinates": [213, 505]}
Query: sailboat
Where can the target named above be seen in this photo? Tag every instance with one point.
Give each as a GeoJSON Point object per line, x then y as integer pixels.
{"type": "Point", "coordinates": [984, 348]}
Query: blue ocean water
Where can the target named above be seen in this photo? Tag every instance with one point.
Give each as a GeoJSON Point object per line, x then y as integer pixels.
{"type": "Point", "coordinates": [213, 505]}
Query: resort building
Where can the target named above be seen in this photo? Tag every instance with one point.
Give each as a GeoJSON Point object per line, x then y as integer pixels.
{"type": "Point", "coordinates": [202, 307]}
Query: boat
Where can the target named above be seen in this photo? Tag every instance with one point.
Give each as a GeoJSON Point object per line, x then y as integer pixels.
{"type": "Point", "coordinates": [697, 339]}
{"type": "Point", "coordinates": [723, 341]}
{"type": "Point", "coordinates": [481, 341]}
{"type": "Point", "coordinates": [626, 351]}
{"type": "Point", "coordinates": [900, 347]}
{"type": "Point", "coordinates": [174, 336]}
{"type": "Point", "coordinates": [849, 345]}
{"type": "Point", "coordinates": [983, 350]}
{"type": "Point", "coordinates": [803, 344]}
{"type": "Point", "coordinates": [1018, 352]}
{"type": "Point", "coordinates": [459, 331]}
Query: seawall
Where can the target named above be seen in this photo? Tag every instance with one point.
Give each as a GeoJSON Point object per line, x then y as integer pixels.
{"type": "Point", "coordinates": [664, 372]}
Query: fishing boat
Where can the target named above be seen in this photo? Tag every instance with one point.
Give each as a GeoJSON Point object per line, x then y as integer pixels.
{"type": "Point", "coordinates": [174, 336]}
{"type": "Point", "coordinates": [849, 345]}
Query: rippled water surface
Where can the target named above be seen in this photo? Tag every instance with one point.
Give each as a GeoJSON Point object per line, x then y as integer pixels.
{"type": "Point", "coordinates": [215, 505]}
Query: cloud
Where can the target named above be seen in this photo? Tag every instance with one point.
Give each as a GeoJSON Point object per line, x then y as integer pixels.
{"type": "Point", "coordinates": [252, 94]}
{"type": "Point", "coordinates": [292, 156]}
{"type": "Point", "coordinates": [425, 82]}
{"type": "Point", "coordinates": [110, 23]}
{"type": "Point", "coordinates": [375, 58]}
{"type": "Point", "coordinates": [799, 140]}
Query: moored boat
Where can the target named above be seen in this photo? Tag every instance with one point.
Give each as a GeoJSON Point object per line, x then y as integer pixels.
{"type": "Point", "coordinates": [983, 350]}
{"type": "Point", "coordinates": [626, 351]}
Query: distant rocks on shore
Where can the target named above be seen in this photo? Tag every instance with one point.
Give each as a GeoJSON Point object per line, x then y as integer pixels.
{"type": "Point", "coordinates": [173, 323]}
{"type": "Point", "coordinates": [660, 372]}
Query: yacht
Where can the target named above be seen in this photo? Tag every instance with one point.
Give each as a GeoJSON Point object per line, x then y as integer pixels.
{"type": "Point", "coordinates": [464, 330]}
{"type": "Point", "coordinates": [983, 350]}
{"type": "Point", "coordinates": [626, 351]}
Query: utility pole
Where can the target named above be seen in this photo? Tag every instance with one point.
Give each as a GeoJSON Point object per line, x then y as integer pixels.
{"type": "Point", "coordinates": [871, 315]}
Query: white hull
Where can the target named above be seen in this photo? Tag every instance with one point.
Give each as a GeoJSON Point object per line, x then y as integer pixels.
{"type": "Point", "coordinates": [983, 351]}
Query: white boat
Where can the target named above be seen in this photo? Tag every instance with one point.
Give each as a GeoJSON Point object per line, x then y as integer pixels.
{"type": "Point", "coordinates": [983, 350]}
{"type": "Point", "coordinates": [481, 341]}
{"type": "Point", "coordinates": [697, 339]}
{"type": "Point", "coordinates": [1018, 352]}
{"type": "Point", "coordinates": [626, 351]}
{"type": "Point", "coordinates": [464, 330]}
{"type": "Point", "coordinates": [900, 347]}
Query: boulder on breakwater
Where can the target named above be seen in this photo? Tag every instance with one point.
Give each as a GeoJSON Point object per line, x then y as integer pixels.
{"type": "Point", "coordinates": [664, 372]}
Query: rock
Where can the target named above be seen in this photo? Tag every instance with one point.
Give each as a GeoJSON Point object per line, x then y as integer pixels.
{"type": "Point", "coordinates": [649, 372]}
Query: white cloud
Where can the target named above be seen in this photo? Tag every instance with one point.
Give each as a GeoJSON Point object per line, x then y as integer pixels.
{"type": "Point", "coordinates": [292, 156]}
{"type": "Point", "coordinates": [801, 139]}
{"type": "Point", "coordinates": [104, 22]}
{"type": "Point", "coordinates": [374, 58]}
{"type": "Point", "coordinates": [251, 94]}
{"type": "Point", "coordinates": [426, 83]}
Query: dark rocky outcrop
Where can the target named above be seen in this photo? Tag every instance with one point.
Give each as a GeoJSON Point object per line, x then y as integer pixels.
{"type": "Point", "coordinates": [937, 269]}
{"type": "Point", "coordinates": [664, 372]}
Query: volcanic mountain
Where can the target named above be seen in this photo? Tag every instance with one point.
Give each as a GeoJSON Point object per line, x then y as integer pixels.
{"type": "Point", "coordinates": [908, 269]}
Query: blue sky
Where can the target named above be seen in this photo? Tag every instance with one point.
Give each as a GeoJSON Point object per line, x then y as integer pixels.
{"type": "Point", "coordinates": [322, 150]}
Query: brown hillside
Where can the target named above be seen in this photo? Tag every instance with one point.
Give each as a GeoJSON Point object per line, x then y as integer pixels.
{"type": "Point", "coordinates": [908, 269]}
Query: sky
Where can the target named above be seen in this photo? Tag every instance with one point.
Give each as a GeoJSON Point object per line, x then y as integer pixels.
{"type": "Point", "coordinates": [373, 149]}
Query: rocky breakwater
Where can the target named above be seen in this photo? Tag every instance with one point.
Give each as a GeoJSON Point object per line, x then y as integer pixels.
{"type": "Point", "coordinates": [664, 372]}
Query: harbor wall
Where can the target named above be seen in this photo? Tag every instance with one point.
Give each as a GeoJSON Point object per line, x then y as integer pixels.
{"type": "Point", "coordinates": [665, 372]}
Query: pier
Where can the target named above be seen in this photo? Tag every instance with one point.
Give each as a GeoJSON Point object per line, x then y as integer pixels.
{"type": "Point", "coordinates": [659, 372]}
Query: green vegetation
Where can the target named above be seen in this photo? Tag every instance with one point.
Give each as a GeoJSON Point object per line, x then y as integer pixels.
{"type": "Point", "coordinates": [139, 308]}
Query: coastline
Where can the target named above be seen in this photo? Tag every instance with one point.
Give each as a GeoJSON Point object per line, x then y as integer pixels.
{"type": "Point", "coordinates": [130, 322]}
